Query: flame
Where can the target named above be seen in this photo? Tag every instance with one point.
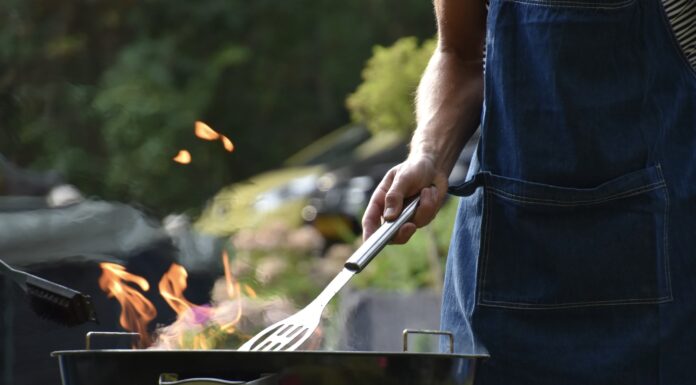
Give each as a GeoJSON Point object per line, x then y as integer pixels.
{"type": "Point", "coordinates": [227, 143]}
{"type": "Point", "coordinates": [183, 157]}
{"type": "Point", "coordinates": [233, 288]}
{"type": "Point", "coordinates": [251, 293]}
{"type": "Point", "coordinates": [172, 286]}
{"type": "Point", "coordinates": [196, 326]}
{"type": "Point", "coordinates": [136, 310]}
{"type": "Point", "coordinates": [204, 131]}
{"type": "Point", "coordinates": [230, 284]}
{"type": "Point", "coordinates": [189, 315]}
{"type": "Point", "coordinates": [192, 329]}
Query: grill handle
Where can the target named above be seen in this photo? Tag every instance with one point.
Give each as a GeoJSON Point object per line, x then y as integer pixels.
{"type": "Point", "coordinates": [90, 335]}
{"type": "Point", "coordinates": [446, 333]}
{"type": "Point", "coordinates": [173, 379]}
{"type": "Point", "coordinates": [379, 239]}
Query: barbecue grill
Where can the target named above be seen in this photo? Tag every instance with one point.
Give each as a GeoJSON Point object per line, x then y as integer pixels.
{"type": "Point", "coordinates": [269, 357]}
{"type": "Point", "coordinates": [216, 367]}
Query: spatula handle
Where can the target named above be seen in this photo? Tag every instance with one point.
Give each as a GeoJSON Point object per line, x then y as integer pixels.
{"type": "Point", "coordinates": [379, 239]}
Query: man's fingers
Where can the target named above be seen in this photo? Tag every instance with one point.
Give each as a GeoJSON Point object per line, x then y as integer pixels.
{"type": "Point", "coordinates": [373, 214]}
{"type": "Point", "coordinates": [427, 207]}
{"type": "Point", "coordinates": [400, 183]}
{"type": "Point", "coordinates": [372, 218]}
{"type": "Point", "coordinates": [404, 234]}
{"type": "Point", "coordinates": [393, 203]}
{"type": "Point", "coordinates": [399, 190]}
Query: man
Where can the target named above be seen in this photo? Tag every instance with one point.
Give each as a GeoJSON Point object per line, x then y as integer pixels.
{"type": "Point", "coordinates": [571, 258]}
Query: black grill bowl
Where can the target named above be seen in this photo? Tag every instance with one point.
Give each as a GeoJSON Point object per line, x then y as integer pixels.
{"type": "Point", "coordinates": [144, 367]}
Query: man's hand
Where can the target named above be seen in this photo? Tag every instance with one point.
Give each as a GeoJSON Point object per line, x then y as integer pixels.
{"type": "Point", "coordinates": [417, 175]}
{"type": "Point", "coordinates": [448, 110]}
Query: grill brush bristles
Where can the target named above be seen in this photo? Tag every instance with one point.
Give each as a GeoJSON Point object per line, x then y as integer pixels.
{"type": "Point", "coordinates": [51, 300]}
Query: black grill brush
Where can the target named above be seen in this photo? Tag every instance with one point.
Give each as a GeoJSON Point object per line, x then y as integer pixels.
{"type": "Point", "coordinates": [51, 300]}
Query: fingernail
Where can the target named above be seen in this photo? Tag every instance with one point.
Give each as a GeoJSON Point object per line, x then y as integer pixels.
{"type": "Point", "coordinates": [388, 212]}
{"type": "Point", "coordinates": [427, 196]}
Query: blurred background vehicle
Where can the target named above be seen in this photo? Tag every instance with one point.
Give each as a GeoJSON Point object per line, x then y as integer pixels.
{"type": "Point", "coordinates": [280, 194]}
{"type": "Point", "coordinates": [336, 206]}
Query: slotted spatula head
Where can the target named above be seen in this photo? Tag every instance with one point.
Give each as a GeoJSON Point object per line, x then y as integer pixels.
{"type": "Point", "coordinates": [287, 334]}
{"type": "Point", "coordinates": [290, 333]}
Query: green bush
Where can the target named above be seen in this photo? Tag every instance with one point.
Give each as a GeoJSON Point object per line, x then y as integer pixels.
{"type": "Point", "coordinates": [384, 100]}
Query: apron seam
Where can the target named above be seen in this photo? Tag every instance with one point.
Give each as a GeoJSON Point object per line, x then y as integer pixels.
{"type": "Point", "coordinates": [571, 305]}
{"type": "Point", "coordinates": [665, 237]}
{"type": "Point", "coordinates": [574, 4]}
{"type": "Point", "coordinates": [551, 202]}
{"type": "Point", "coordinates": [486, 246]}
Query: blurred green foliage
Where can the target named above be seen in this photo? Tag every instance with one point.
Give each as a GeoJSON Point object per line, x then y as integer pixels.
{"type": "Point", "coordinates": [107, 92]}
{"type": "Point", "coordinates": [384, 100]}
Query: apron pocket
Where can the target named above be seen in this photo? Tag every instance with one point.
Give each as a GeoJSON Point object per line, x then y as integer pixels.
{"type": "Point", "coordinates": [546, 247]}
{"type": "Point", "coordinates": [587, 4]}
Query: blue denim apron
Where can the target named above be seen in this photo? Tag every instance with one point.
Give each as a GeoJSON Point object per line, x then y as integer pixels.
{"type": "Point", "coordinates": [573, 257]}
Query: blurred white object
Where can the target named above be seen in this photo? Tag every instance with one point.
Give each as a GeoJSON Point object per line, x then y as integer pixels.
{"type": "Point", "coordinates": [64, 195]}
{"type": "Point", "coordinates": [89, 230]}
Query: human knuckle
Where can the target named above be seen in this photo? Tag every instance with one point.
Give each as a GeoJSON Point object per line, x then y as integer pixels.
{"type": "Point", "coordinates": [394, 195]}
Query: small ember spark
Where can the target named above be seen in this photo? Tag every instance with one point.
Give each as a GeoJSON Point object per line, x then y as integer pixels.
{"type": "Point", "coordinates": [204, 131]}
{"type": "Point", "coordinates": [183, 157]}
{"type": "Point", "coordinates": [229, 146]}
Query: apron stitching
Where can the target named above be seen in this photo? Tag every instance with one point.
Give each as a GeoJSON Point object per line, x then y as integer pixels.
{"type": "Point", "coordinates": [574, 4]}
{"type": "Point", "coordinates": [568, 305]}
{"type": "Point", "coordinates": [552, 202]}
{"type": "Point", "coordinates": [665, 236]}
{"type": "Point", "coordinates": [486, 242]}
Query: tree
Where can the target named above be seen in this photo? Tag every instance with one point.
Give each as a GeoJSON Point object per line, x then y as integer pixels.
{"type": "Point", "coordinates": [107, 92]}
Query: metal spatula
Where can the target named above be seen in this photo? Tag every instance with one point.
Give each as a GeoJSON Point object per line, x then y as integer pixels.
{"type": "Point", "coordinates": [290, 333]}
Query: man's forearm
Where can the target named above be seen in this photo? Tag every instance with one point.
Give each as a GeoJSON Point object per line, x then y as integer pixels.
{"type": "Point", "coordinates": [448, 107]}
{"type": "Point", "coordinates": [448, 110]}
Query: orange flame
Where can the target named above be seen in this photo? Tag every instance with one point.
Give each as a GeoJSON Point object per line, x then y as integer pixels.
{"type": "Point", "coordinates": [233, 290]}
{"type": "Point", "coordinates": [172, 286]}
{"type": "Point", "coordinates": [251, 293]}
{"type": "Point", "coordinates": [204, 131]}
{"type": "Point", "coordinates": [191, 328]}
{"type": "Point", "coordinates": [230, 284]}
{"type": "Point", "coordinates": [197, 327]}
{"type": "Point", "coordinates": [229, 146]}
{"type": "Point", "coordinates": [136, 310]}
{"type": "Point", "coordinates": [183, 157]}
